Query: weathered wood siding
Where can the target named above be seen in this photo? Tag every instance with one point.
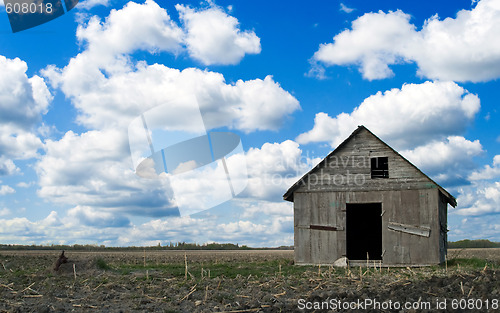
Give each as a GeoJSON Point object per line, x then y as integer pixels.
{"type": "Point", "coordinates": [349, 169]}
{"type": "Point", "coordinates": [407, 196]}
{"type": "Point", "coordinates": [323, 209]}
{"type": "Point", "coordinates": [411, 207]}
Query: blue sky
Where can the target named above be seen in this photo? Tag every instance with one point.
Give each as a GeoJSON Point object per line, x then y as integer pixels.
{"type": "Point", "coordinates": [292, 79]}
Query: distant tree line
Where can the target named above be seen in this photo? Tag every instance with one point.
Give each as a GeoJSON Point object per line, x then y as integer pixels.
{"type": "Point", "coordinates": [480, 243]}
{"type": "Point", "coordinates": [169, 246]}
{"type": "Point", "coordinates": [461, 244]}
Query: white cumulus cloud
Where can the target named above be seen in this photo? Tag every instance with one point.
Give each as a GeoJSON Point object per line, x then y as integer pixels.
{"type": "Point", "coordinates": [274, 167]}
{"type": "Point", "coordinates": [87, 226]}
{"type": "Point", "coordinates": [473, 227]}
{"type": "Point", "coordinates": [449, 162]}
{"type": "Point", "coordinates": [488, 172]}
{"type": "Point", "coordinates": [7, 166]}
{"type": "Point", "coordinates": [89, 4]}
{"type": "Point", "coordinates": [259, 104]}
{"type": "Point", "coordinates": [483, 195]}
{"type": "Point", "coordinates": [214, 37]}
{"type": "Point", "coordinates": [272, 209]}
{"type": "Point", "coordinates": [345, 8]}
{"type": "Point", "coordinates": [464, 48]}
{"type": "Point", "coordinates": [109, 89]}
{"type": "Point", "coordinates": [94, 169]}
{"type": "Point", "coordinates": [375, 41]}
{"type": "Point", "coordinates": [271, 232]}
{"type": "Point", "coordinates": [136, 26]}
{"type": "Point", "coordinates": [479, 199]}
{"type": "Point", "coordinates": [5, 190]}
{"type": "Point", "coordinates": [95, 218]}
{"type": "Point", "coordinates": [405, 118]}
{"type": "Point", "coordinates": [4, 212]}
{"type": "Point", "coordinates": [23, 101]}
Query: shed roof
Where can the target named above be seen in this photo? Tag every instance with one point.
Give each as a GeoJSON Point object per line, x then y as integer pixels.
{"type": "Point", "coordinates": [289, 194]}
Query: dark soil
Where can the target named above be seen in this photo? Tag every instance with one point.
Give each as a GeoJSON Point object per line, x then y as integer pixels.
{"type": "Point", "coordinates": [259, 281]}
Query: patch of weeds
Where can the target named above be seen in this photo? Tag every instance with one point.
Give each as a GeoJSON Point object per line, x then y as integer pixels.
{"type": "Point", "coordinates": [436, 268]}
{"type": "Point", "coordinates": [231, 270]}
{"type": "Point", "coordinates": [20, 273]}
{"type": "Point", "coordinates": [176, 270]}
{"type": "Point", "coordinates": [221, 269]}
{"type": "Point", "coordinates": [101, 264]}
{"type": "Point", "coordinates": [475, 263]}
{"type": "Point", "coordinates": [256, 269]}
{"type": "Point", "coordinates": [124, 271]}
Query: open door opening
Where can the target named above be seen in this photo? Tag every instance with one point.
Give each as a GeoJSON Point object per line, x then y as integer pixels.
{"type": "Point", "coordinates": [364, 231]}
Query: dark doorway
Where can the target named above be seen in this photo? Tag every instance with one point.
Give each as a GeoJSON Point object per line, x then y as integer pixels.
{"type": "Point", "coordinates": [364, 231]}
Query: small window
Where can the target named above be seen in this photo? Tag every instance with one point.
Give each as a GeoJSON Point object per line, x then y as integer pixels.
{"type": "Point", "coordinates": [380, 167]}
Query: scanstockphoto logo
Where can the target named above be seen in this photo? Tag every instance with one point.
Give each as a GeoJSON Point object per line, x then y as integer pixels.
{"type": "Point", "coordinates": [203, 169]}
{"type": "Point", "coordinates": [26, 14]}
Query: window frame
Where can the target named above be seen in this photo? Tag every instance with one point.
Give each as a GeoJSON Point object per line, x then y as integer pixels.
{"type": "Point", "coordinates": [379, 167]}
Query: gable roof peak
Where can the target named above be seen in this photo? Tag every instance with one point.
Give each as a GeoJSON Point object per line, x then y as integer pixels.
{"type": "Point", "coordinates": [289, 194]}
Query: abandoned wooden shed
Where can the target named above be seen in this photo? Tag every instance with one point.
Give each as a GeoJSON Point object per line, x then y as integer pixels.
{"type": "Point", "coordinates": [366, 201]}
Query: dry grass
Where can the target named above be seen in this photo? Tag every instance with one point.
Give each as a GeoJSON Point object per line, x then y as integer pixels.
{"type": "Point", "coordinates": [237, 281]}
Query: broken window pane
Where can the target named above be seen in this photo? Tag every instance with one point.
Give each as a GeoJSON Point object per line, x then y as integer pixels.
{"type": "Point", "coordinates": [380, 167]}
